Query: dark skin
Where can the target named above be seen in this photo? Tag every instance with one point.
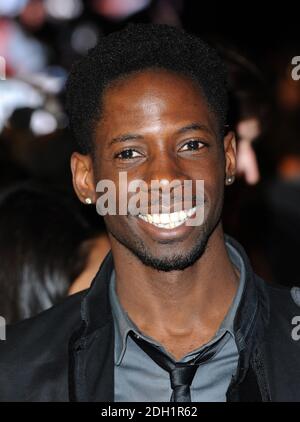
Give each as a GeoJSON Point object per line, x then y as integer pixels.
{"type": "Point", "coordinates": [173, 135]}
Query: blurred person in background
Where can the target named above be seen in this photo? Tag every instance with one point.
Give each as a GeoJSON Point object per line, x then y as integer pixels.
{"type": "Point", "coordinates": [46, 244]}
{"type": "Point", "coordinates": [281, 233]}
{"type": "Point", "coordinates": [276, 206]}
{"type": "Point", "coordinates": [250, 116]}
{"type": "Point", "coordinates": [38, 40]}
{"type": "Point", "coordinates": [94, 249]}
{"type": "Point", "coordinates": [40, 151]}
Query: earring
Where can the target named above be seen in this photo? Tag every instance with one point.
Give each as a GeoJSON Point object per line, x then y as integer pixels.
{"type": "Point", "coordinates": [229, 180]}
{"type": "Point", "coordinates": [88, 201]}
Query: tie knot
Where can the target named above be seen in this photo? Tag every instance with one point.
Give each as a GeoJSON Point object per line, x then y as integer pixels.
{"type": "Point", "coordinates": [182, 374]}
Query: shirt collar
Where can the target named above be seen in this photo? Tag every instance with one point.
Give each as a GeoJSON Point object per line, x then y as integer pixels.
{"type": "Point", "coordinates": [122, 322]}
{"type": "Point", "coordinates": [237, 260]}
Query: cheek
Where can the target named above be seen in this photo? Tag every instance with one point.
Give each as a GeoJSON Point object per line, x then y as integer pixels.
{"type": "Point", "coordinates": [116, 223]}
{"type": "Point", "coordinates": [214, 184]}
{"type": "Point", "coordinates": [103, 171]}
{"type": "Point", "coordinates": [213, 177]}
{"type": "Point", "coordinates": [103, 165]}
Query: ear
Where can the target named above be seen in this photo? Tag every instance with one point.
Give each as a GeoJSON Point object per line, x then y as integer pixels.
{"type": "Point", "coordinates": [83, 177]}
{"type": "Point", "coordinates": [230, 157]}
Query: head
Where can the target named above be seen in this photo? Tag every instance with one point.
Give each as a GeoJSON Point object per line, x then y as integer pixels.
{"type": "Point", "coordinates": [249, 111]}
{"type": "Point", "coordinates": [40, 249]}
{"type": "Point", "coordinates": [151, 101]}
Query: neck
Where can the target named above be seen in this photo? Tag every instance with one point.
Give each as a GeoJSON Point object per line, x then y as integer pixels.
{"type": "Point", "coordinates": [177, 303]}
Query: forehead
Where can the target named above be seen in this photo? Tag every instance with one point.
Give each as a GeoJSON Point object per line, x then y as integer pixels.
{"type": "Point", "coordinates": [153, 96]}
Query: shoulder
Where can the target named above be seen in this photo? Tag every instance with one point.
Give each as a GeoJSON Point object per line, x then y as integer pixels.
{"type": "Point", "coordinates": [280, 302]}
{"type": "Point", "coordinates": [284, 315]}
{"type": "Point", "coordinates": [55, 323]}
{"type": "Point", "coordinates": [34, 355]}
{"type": "Point", "coordinates": [284, 301]}
{"type": "Point", "coordinates": [281, 345]}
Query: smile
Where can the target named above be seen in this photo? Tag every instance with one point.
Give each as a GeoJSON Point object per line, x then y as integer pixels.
{"type": "Point", "coordinates": [166, 220]}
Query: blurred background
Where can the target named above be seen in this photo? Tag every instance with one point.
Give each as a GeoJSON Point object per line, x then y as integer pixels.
{"type": "Point", "coordinates": [51, 245]}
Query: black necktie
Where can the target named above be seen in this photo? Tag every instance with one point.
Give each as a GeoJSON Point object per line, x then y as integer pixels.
{"type": "Point", "coordinates": [181, 374]}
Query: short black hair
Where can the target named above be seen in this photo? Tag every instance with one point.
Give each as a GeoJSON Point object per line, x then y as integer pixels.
{"type": "Point", "coordinates": [136, 48]}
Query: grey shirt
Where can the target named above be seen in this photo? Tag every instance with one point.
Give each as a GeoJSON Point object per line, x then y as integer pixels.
{"type": "Point", "coordinates": [138, 378]}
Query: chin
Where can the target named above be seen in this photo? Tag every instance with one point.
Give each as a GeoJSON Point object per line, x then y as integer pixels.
{"type": "Point", "coordinates": [163, 259]}
{"type": "Point", "coordinates": [176, 262]}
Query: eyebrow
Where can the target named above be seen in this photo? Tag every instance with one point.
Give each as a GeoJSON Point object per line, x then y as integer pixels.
{"type": "Point", "coordinates": [133, 136]}
{"type": "Point", "coordinates": [194, 126]}
{"type": "Point", "coordinates": [125, 137]}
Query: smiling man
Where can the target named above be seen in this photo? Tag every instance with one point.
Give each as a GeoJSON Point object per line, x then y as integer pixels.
{"type": "Point", "coordinates": [175, 312]}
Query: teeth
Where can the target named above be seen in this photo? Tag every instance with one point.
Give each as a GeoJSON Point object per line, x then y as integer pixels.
{"type": "Point", "coordinates": [182, 215]}
{"type": "Point", "coordinates": [174, 217]}
{"type": "Point", "coordinates": [164, 218]}
{"type": "Point", "coordinates": [168, 221]}
{"type": "Point", "coordinates": [191, 212]}
{"type": "Point", "coordinates": [155, 218]}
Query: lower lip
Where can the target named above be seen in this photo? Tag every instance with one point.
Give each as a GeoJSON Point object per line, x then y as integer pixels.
{"type": "Point", "coordinates": [160, 233]}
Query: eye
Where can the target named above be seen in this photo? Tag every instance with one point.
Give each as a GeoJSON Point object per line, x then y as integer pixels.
{"type": "Point", "coordinates": [192, 145]}
{"type": "Point", "coordinates": [128, 154]}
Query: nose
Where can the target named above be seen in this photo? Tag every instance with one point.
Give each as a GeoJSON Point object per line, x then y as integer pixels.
{"type": "Point", "coordinates": [165, 169]}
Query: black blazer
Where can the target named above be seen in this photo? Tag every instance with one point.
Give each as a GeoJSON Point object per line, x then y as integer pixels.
{"type": "Point", "coordinates": [67, 353]}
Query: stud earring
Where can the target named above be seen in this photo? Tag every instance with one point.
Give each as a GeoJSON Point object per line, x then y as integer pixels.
{"type": "Point", "coordinates": [230, 180]}
{"type": "Point", "coordinates": [88, 201]}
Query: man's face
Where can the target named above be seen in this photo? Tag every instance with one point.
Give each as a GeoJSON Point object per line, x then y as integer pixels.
{"type": "Point", "coordinates": [156, 125]}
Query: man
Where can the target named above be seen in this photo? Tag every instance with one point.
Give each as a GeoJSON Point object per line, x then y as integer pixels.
{"type": "Point", "coordinates": [175, 312]}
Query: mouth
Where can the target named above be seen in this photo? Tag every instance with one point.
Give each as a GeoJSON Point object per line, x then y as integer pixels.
{"type": "Point", "coordinates": [168, 221]}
